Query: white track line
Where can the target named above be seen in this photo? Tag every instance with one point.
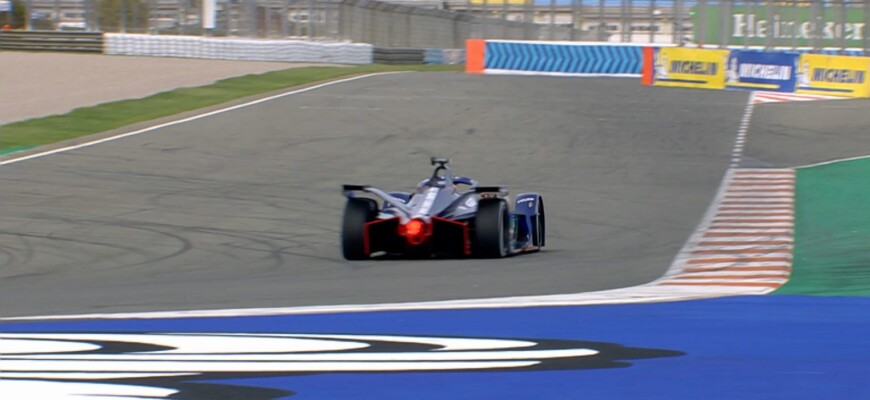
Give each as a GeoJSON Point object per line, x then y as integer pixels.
{"type": "Point", "coordinates": [740, 141]}
{"type": "Point", "coordinates": [832, 162]}
{"type": "Point", "coordinates": [189, 119]}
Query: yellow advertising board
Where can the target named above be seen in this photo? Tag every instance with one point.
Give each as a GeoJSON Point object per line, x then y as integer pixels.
{"type": "Point", "coordinates": [833, 75]}
{"type": "Point", "coordinates": [694, 68]}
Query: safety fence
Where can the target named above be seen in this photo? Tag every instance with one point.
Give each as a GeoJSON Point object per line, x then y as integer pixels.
{"type": "Point", "coordinates": [707, 67]}
{"type": "Point", "coordinates": [237, 49]}
{"type": "Point", "coordinates": [398, 56]}
{"type": "Point", "coordinates": [444, 56]}
{"type": "Point", "coordinates": [447, 23]}
{"type": "Point", "coordinates": [78, 42]}
{"type": "Point", "coordinates": [408, 56]}
{"type": "Point", "coordinates": [282, 50]}
{"type": "Point", "coordinates": [418, 24]}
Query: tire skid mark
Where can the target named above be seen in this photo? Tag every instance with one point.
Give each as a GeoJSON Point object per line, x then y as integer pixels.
{"type": "Point", "coordinates": [706, 267]}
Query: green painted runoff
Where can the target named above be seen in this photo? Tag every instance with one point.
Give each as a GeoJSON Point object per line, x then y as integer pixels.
{"type": "Point", "coordinates": [832, 231]}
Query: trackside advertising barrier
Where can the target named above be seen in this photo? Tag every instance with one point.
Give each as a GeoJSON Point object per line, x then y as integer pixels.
{"type": "Point", "coordinates": [758, 70]}
{"type": "Point", "coordinates": [692, 68]}
{"type": "Point", "coordinates": [514, 57]}
{"type": "Point", "coordinates": [742, 69]}
{"type": "Point", "coordinates": [833, 75]}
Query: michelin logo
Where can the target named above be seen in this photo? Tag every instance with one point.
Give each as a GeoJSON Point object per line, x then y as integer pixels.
{"type": "Point", "coordinates": [772, 72]}
{"type": "Point", "coordinates": [827, 75]}
{"type": "Point", "coordinates": [765, 71]}
{"type": "Point", "coordinates": [693, 67]}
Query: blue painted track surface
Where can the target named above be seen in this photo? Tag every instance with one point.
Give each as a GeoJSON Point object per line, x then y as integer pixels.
{"type": "Point", "coordinates": [773, 347]}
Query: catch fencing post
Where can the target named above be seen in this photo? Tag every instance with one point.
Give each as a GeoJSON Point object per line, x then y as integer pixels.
{"type": "Point", "coordinates": [285, 14]}
{"type": "Point", "coordinates": [56, 14]}
{"type": "Point", "coordinates": [701, 17]}
{"type": "Point", "coordinates": [310, 19]}
{"type": "Point", "coordinates": [28, 24]}
{"type": "Point", "coordinates": [602, 24]}
{"type": "Point", "coordinates": [575, 9]}
{"type": "Point", "coordinates": [843, 26]}
{"type": "Point", "coordinates": [485, 15]}
{"type": "Point", "coordinates": [508, 29]}
{"type": "Point", "coordinates": [866, 29]}
{"type": "Point", "coordinates": [123, 21]}
{"type": "Point", "coordinates": [552, 19]}
{"type": "Point", "coordinates": [768, 38]}
{"type": "Point", "coordinates": [676, 35]}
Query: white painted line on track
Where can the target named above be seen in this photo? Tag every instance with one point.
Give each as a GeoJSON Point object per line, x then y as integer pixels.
{"type": "Point", "coordinates": [819, 164]}
{"type": "Point", "coordinates": [737, 151]}
{"type": "Point", "coordinates": [631, 295]}
{"type": "Point", "coordinates": [341, 108]}
{"type": "Point", "coordinates": [765, 231]}
{"type": "Point", "coordinates": [749, 248]}
{"type": "Point", "coordinates": [721, 265]}
{"type": "Point", "coordinates": [749, 183]}
{"type": "Point", "coordinates": [767, 173]}
{"type": "Point", "coordinates": [740, 188]}
{"type": "Point", "coordinates": [720, 219]}
{"type": "Point", "coordinates": [778, 211]}
{"type": "Point", "coordinates": [732, 199]}
{"type": "Point", "coordinates": [192, 118]}
{"type": "Point", "coordinates": [699, 259]}
{"type": "Point", "coordinates": [756, 208]}
{"type": "Point", "coordinates": [756, 193]}
{"type": "Point", "coordinates": [771, 226]}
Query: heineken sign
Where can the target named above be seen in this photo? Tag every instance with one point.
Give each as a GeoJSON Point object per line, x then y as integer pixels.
{"type": "Point", "coordinates": [784, 26]}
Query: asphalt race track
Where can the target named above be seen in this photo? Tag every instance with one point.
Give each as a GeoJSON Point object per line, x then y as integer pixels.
{"type": "Point", "coordinates": [242, 209]}
{"type": "Point", "coordinates": [795, 134]}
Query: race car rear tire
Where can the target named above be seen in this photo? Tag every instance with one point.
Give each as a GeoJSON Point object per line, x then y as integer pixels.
{"type": "Point", "coordinates": [539, 238]}
{"type": "Point", "coordinates": [357, 212]}
{"type": "Point", "coordinates": [491, 227]}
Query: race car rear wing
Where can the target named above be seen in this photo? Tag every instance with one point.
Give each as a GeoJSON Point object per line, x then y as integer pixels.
{"type": "Point", "coordinates": [348, 190]}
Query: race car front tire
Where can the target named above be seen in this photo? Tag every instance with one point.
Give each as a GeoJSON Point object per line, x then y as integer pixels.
{"type": "Point", "coordinates": [357, 212]}
{"type": "Point", "coordinates": [492, 225]}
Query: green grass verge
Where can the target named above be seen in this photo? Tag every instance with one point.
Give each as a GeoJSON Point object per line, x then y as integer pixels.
{"type": "Point", "coordinates": [108, 116]}
{"type": "Point", "coordinates": [832, 231]}
{"type": "Point", "coordinates": [14, 149]}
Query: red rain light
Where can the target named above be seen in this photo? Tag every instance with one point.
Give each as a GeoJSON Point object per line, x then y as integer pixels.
{"type": "Point", "coordinates": [415, 231]}
{"type": "Point", "coordinates": [414, 227]}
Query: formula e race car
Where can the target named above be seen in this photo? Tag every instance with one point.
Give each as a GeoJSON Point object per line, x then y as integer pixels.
{"type": "Point", "coordinates": [447, 216]}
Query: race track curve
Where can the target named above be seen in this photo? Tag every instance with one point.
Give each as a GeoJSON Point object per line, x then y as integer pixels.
{"type": "Point", "coordinates": [242, 209]}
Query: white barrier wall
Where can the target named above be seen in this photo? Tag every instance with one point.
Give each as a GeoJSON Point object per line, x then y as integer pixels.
{"type": "Point", "coordinates": [237, 49]}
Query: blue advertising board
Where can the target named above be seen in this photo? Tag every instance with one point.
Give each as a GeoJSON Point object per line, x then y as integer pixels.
{"type": "Point", "coordinates": [758, 70]}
